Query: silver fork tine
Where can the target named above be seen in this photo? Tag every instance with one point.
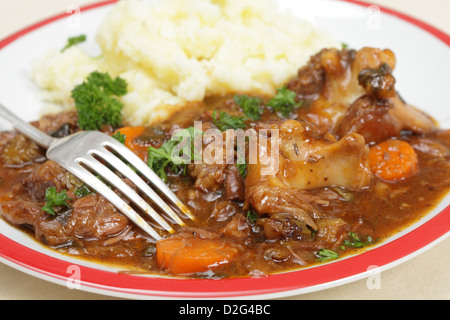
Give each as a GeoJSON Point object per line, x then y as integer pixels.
{"type": "Point", "coordinates": [71, 151]}
{"type": "Point", "coordinates": [112, 197]}
{"type": "Point", "coordinates": [145, 170]}
{"type": "Point", "coordinates": [113, 179]}
{"type": "Point", "coordinates": [111, 159]}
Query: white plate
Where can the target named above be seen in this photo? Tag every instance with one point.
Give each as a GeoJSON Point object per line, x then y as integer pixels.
{"type": "Point", "coordinates": [422, 53]}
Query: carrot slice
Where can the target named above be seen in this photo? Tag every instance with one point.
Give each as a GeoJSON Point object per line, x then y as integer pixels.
{"type": "Point", "coordinates": [131, 133]}
{"type": "Point", "coordinates": [393, 160]}
{"type": "Point", "coordinates": [186, 255]}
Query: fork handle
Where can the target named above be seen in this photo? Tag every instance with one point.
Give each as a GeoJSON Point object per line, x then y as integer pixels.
{"type": "Point", "coordinates": [27, 129]}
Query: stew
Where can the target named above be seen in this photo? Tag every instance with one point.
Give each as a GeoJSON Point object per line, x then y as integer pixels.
{"type": "Point", "coordinates": [355, 164]}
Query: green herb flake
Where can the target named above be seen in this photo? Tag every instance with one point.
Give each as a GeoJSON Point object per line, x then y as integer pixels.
{"type": "Point", "coordinates": [82, 191]}
{"type": "Point", "coordinates": [119, 137]}
{"type": "Point", "coordinates": [284, 102]}
{"type": "Point", "coordinates": [326, 255]}
{"type": "Point", "coordinates": [74, 41]}
{"type": "Point", "coordinates": [251, 216]}
{"type": "Point", "coordinates": [251, 106]}
{"type": "Point", "coordinates": [356, 242]}
{"type": "Point", "coordinates": [96, 101]}
{"type": "Point", "coordinates": [54, 199]}
{"type": "Point", "coordinates": [226, 121]}
{"type": "Point", "coordinates": [161, 158]}
{"type": "Point", "coordinates": [242, 168]}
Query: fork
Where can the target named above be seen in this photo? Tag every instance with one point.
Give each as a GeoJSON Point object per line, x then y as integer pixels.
{"type": "Point", "coordinates": [90, 154]}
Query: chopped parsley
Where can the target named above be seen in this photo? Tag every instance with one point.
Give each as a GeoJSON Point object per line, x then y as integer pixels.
{"type": "Point", "coordinates": [356, 242]}
{"type": "Point", "coordinates": [284, 102]}
{"type": "Point", "coordinates": [82, 191]}
{"type": "Point", "coordinates": [226, 121]}
{"type": "Point", "coordinates": [119, 137]}
{"type": "Point", "coordinates": [168, 156]}
{"type": "Point", "coordinates": [54, 199]}
{"type": "Point", "coordinates": [96, 101]}
{"type": "Point", "coordinates": [252, 107]}
{"type": "Point", "coordinates": [74, 41]}
{"type": "Point", "coordinates": [326, 255]}
{"type": "Point", "coordinates": [242, 167]}
{"type": "Point", "coordinates": [251, 216]}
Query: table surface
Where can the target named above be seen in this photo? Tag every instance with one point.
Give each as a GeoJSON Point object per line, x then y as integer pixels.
{"type": "Point", "coordinates": [426, 276]}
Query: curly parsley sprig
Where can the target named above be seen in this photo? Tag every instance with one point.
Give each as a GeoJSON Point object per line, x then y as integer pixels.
{"type": "Point", "coordinates": [96, 101]}
{"type": "Point", "coordinates": [171, 154]}
{"type": "Point", "coordinates": [54, 199]}
{"type": "Point", "coordinates": [284, 102]}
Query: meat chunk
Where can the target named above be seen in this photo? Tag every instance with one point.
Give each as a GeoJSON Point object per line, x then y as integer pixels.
{"type": "Point", "coordinates": [331, 232]}
{"type": "Point", "coordinates": [60, 124]}
{"type": "Point", "coordinates": [411, 118]}
{"type": "Point", "coordinates": [90, 218]}
{"type": "Point", "coordinates": [237, 227]}
{"type": "Point", "coordinates": [93, 217]}
{"type": "Point", "coordinates": [267, 198]}
{"type": "Point", "coordinates": [308, 158]}
{"type": "Point", "coordinates": [311, 161]}
{"type": "Point", "coordinates": [47, 175]}
{"type": "Point", "coordinates": [282, 226]}
{"type": "Point", "coordinates": [224, 210]}
{"type": "Point", "coordinates": [310, 79]}
{"type": "Point", "coordinates": [234, 184]}
{"type": "Point", "coordinates": [379, 120]}
{"type": "Point", "coordinates": [371, 119]}
{"type": "Point", "coordinates": [208, 177]}
{"type": "Point", "coordinates": [354, 92]}
{"type": "Point", "coordinates": [20, 151]}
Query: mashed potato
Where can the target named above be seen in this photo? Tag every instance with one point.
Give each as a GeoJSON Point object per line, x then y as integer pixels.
{"type": "Point", "coordinates": [175, 51]}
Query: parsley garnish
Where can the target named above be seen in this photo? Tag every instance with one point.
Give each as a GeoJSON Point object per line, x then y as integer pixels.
{"type": "Point", "coordinates": [159, 159]}
{"type": "Point", "coordinates": [242, 167]}
{"type": "Point", "coordinates": [327, 255]}
{"type": "Point", "coordinates": [119, 137]}
{"type": "Point", "coordinates": [225, 121]}
{"type": "Point", "coordinates": [251, 106]}
{"type": "Point", "coordinates": [82, 191]}
{"type": "Point", "coordinates": [251, 216]}
{"type": "Point", "coordinates": [96, 101]}
{"type": "Point", "coordinates": [284, 102]}
{"type": "Point", "coordinates": [54, 199]}
{"type": "Point", "coordinates": [167, 155]}
{"type": "Point", "coordinates": [355, 241]}
{"type": "Point", "coordinates": [74, 41]}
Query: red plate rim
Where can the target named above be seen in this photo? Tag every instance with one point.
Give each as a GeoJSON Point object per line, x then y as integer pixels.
{"type": "Point", "coordinates": [112, 283]}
